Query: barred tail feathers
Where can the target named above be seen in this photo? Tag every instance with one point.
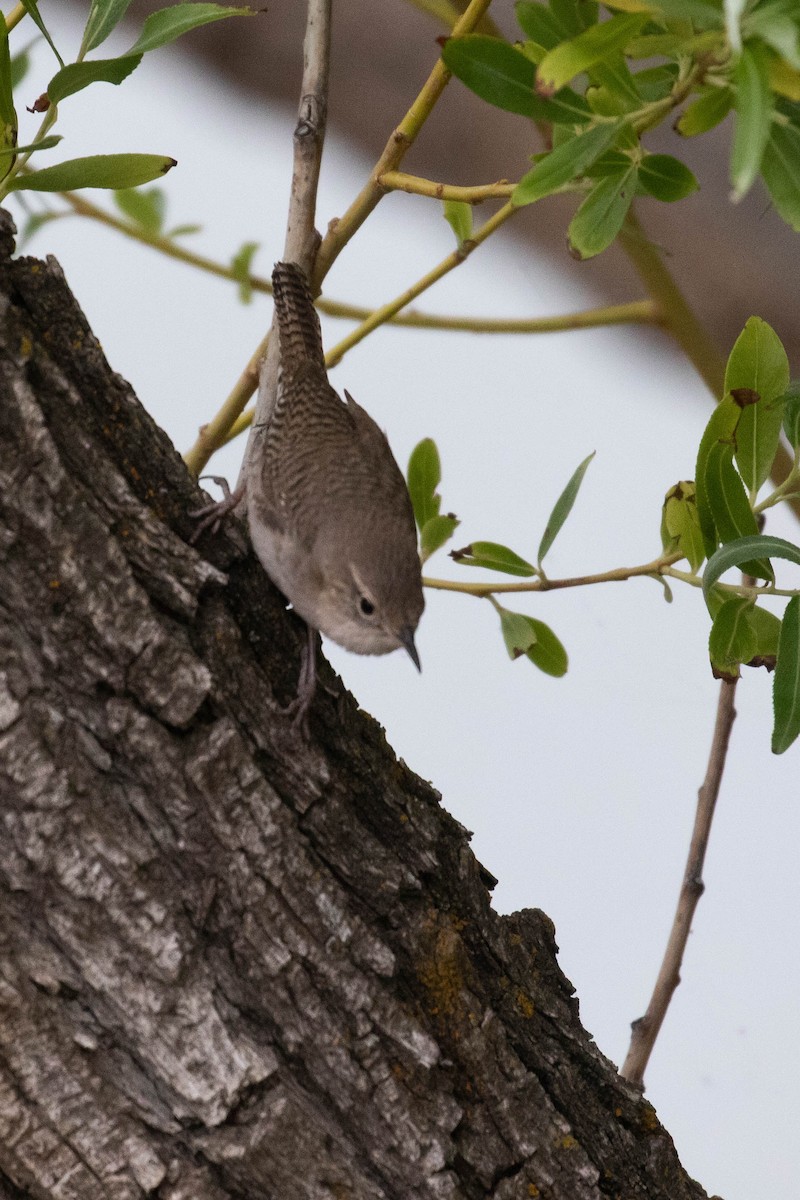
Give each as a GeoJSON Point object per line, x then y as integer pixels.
{"type": "Point", "coordinates": [298, 324]}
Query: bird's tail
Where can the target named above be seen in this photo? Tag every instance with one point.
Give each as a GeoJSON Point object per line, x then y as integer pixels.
{"type": "Point", "coordinates": [298, 324]}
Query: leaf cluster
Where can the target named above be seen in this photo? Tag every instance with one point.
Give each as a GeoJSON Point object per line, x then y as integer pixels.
{"type": "Point", "coordinates": [718, 517]}
{"type": "Point", "coordinates": [113, 171]}
{"type": "Point", "coordinates": [597, 84]}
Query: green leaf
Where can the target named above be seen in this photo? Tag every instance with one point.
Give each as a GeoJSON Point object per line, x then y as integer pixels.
{"type": "Point", "coordinates": [777, 30]}
{"type": "Point", "coordinates": [738, 553]}
{"type": "Point", "coordinates": [722, 426]}
{"type": "Point", "coordinates": [147, 209]}
{"type": "Point", "coordinates": [570, 58]}
{"type": "Point", "coordinates": [34, 222]}
{"type": "Point", "coordinates": [705, 112]}
{"type": "Point", "coordinates": [104, 16]}
{"type": "Point", "coordinates": [493, 557]}
{"type": "Point", "coordinates": [503, 76]}
{"type": "Point", "coordinates": [781, 171]}
{"type": "Point", "coordinates": [424, 477]}
{"type": "Point", "coordinates": [753, 117]}
{"type": "Point", "coordinates": [547, 652]}
{"type": "Point", "coordinates": [729, 505]}
{"type": "Point", "coordinates": [562, 508]}
{"type": "Point", "coordinates": [680, 523]}
{"type": "Point", "coordinates": [666, 178]}
{"type": "Point", "coordinates": [612, 77]}
{"type": "Point", "coordinates": [8, 114]}
{"type": "Point", "coordinates": [703, 14]}
{"type": "Point", "coordinates": [732, 640]}
{"type": "Point", "coordinates": [167, 24]}
{"type": "Point", "coordinates": [539, 24]}
{"type": "Point", "coordinates": [599, 219]}
{"type": "Point", "coordinates": [241, 264]}
{"type": "Point", "coordinates": [46, 143]}
{"type": "Point", "coordinates": [32, 8]}
{"type": "Point", "coordinates": [20, 65]}
{"type": "Point", "coordinates": [791, 414]}
{"type": "Point", "coordinates": [573, 16]}
{"type": "Point", "coordinates": [458, 215]}
{"type": "Point", "coordinates": [786, 685]}
{"type": "Point", "coordinates": [767, 628]}
{"type": "Point", "coordinates": [97, 171]}
{"type": "Point", "coordinates": [518, 633]}
{"type": "Point", "coordinates": [656, 83]}
{"type": "Point", "coordinates": [564, 163]}
{"type": "Point", "coordinates": [182, 230]}
{"type": "Point", "coordinates": [758, 363]}
{"type": "Point", "coordinates": [75, 77]}
{"type": "Point", "coordinates": [435, 533]}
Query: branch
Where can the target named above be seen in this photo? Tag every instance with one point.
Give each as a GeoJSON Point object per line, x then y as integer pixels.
{"type": "Point", "coordinates": [403, 137]}
{"type": "Point", "coordinates": [300, 244]}
{"type": "Point", "coordinates": [398, 181]}
{"type": "Point", "coordinates": [642, 312]}
{"type": "Point", "coordinates": [382, 315]}
{"type": "Point", "coordinates": [15, 16]}
{"type": "Point", "coordinates": [646, 1028]}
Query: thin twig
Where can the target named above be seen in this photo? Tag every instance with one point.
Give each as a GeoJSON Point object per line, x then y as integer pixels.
{"type": "Point", "coordinates": [401, 140]}
{"type": "Point", "coordinates": [301, 240]}
{"type": "Point", "coordinates": [399, 181]}
{"type": "Point", "coordinates": [15, 16]}
{"type": "Point", "coordinates": [453, 260]}
{"type": "Point", "coordinates": [639, 312]}
{"type": "Point", "coordinates": [646, 1028]}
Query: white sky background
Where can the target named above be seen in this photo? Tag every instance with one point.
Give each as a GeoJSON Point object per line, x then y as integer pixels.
{"type": "Point", "coordinates": [580, 791]}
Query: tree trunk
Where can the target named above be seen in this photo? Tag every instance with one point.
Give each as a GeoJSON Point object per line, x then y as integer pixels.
{"type": "Point", "coordinates": [235, 964]}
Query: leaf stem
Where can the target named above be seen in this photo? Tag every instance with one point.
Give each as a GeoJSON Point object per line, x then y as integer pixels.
{"type": "Point", "coordinates": [659, 566]}
{"type": "Point", "coordinates": [399, 181]}
{"type": "Point", "coordinates": [217, 431]}
{"type": "Point", "coordinates": [448, 12]}
{"type": "Point", "coordinates": [644, 312]}
{"type": "Point", "coordinates": [49, 120]}
{"type": "Point", "coordinates": [646, 1028]}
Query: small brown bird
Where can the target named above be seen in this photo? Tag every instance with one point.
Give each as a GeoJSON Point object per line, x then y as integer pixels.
{"type": "Point", "coordinates": [329, 512]}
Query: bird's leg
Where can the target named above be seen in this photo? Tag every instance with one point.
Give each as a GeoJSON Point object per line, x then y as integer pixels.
{"type": "Point", "coordinates": [306, 685]}
{"type": "Point", "coordinates": [211, 515]}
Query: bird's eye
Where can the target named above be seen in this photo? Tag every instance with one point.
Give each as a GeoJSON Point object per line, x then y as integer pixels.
{"type": "Point", "coordinates": [366, 606]}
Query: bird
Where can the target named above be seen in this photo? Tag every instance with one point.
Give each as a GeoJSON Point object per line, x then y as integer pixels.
{"type": "Point", "coordinates": [328, 509]}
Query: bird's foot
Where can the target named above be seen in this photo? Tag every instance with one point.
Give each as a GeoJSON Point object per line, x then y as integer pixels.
{"type": "Point", "coordinates": [212, 515]}
{"type": "Point", "coordinates": [300, 707]}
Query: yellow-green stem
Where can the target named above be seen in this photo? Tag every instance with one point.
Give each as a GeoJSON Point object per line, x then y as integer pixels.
{"type": "Point", "coordinates": [382, 315]}
{"type": "Point", "coordinates": [634, 312]}
{"type": "Point", "coordinates": [341, 231]}
{"type": "Point", "coordinates": [399, 181]}
{"type": "Point", "coordinates": [659, 566]}
{"type": "Point", "coordinates": [214, 434]}
{"type": "Point", "coordinates": [15, 16]}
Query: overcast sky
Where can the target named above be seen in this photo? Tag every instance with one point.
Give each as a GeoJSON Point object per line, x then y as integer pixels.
{"type": "Point", "coordinates": [580, 791]}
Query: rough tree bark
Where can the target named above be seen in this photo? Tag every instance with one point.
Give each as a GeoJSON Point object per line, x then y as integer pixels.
{"type": "Point", "coordinates": [233, 965]}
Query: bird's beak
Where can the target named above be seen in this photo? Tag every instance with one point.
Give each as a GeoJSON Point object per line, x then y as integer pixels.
{"type": "Point", "coordinates": [406, 637]}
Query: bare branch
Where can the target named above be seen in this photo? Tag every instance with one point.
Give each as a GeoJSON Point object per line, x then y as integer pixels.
{"type": "Point", "coordinates": [646, 1028]}
{"type": "Point", "coordinates": [301, 241]}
